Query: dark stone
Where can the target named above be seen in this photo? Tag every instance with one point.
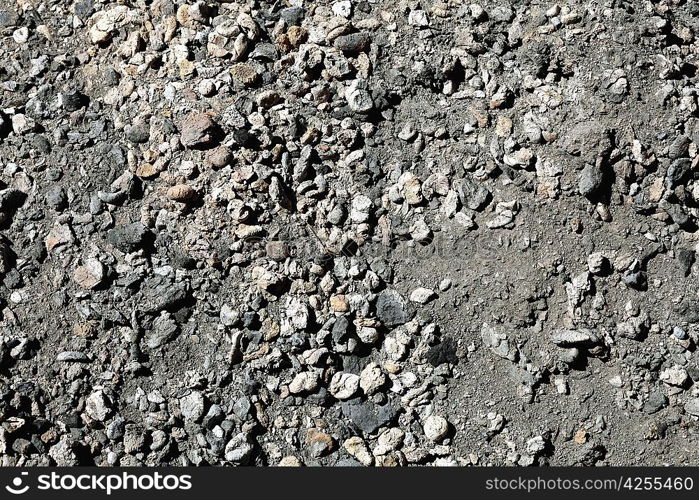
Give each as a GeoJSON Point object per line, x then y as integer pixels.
{"type": "Point", "coordinates": [340, 329]}
{"type": "Point", "coordinates": [392, 309]}
{"type": "Point", "coordinates": [686, 257]}
{"type": "Point", "coordinates": [636, 280]}
{"type": "Point", "coordinates": [138, 132]}
{"type": "Point", "coordinates": [74, 100]}
{"type": "Point", "coordinates": [293, 15]}
{"type": "Point", "coordinates": [353, 43]}
{"type": "Point", "coordinates": [591, 179]}
{"type": "Point", "coordinates": [367, 416]}
{"type": "Point", "coordinates": [656, 402]}
{"type": "Point", "coordinates": [71, 420]}
{"type": "Point", "coordinates": [444, 352]}
{"type": "Point", "coordinates": [129, 238]}
{"type": "Point", "coordinates": [678, 172]}
{"type": "Point", "coordinates": [56, 198]}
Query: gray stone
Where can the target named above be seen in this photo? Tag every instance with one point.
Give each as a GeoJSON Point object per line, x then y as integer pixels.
{"type": "Point", "coordinates": [128, 238]}
{"type": "Point", "coordinates": [352, 43]}
{"type": "Point", "coordinates": [656, 401]}
{"type": "Point", "coordinates": [590, 180]}
{"type": "Point", "coordinates": [392, 309]}
{"type": "Point", "coordinates": [367, 416]}
{"type": "Point", "coordinates": [192, 406]}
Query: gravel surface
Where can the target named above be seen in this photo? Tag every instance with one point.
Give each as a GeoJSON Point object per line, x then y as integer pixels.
{"type": "Point", "coordinates": [366, 233]}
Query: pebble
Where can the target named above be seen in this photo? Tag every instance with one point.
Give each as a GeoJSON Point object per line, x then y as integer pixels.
{"type": "Point", "coordinates": [692, 407]}
{"type": "Point", "coordinates": [361, 209]}
{"type": "Point", "coordinates": [356, 447]}
{"type": "Point", "coordinates": [422, 295]}
{"type": "Point", "coordinates": [319, 443]}
{"type": "Point", "coordinates": [304, 382]}
{"type": "Point", "coordinates": [372, 379]}
{"type": "Point", "coordinates": [198, 129]}
{"type": "Point", "coordinates": [591, 179]}
{"type": "Point", "coordinates": [344, 385]}
{"type": "Point", "coordinates": [181, 192]}
{"type": "Point", "coordinates": [353, 43]}
{"type": "Point", "coordinates": [435, 428]}
{"type": "Point", "coordinates": [392, 309]}
{"type": "Point", "coordinates": [359, 101]}
{"type": "Point", "coordinates": [97, 406]}
{"type": "Point", "coordinates": [90, 275]}
{"type": "Point", "coordinates": [192, 406]}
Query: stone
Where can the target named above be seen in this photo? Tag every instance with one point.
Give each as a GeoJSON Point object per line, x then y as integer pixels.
{"type": "Point", "coordinates": [137, 132]}
{"type": "Point", "coordinates": [182, 193]}
{"type": "Point", "coordinates": [353, 43]}
{"type": "Point", "coordinates": [290, 461]}
{"type": "Point", "coordinates": [359, 101]}
{"type": "Point", "coordinates": [277, 250]}
{"type": "Point", "coordinates": [97, 406]}
{"type": "Point", "coordinates": [361, 209]}
{"type": "Point", "coordinates": [90, 275]}
{"type": "Point", "coordinates": [418, 18]}
{"type": "Point", "coordinates": [238, 450]}
{"type": "Point", "coordinates": [304, 382]}
{"type": "Point", "coordinates": [163, 331]}
{"type": "Point", "coordinates": [422, 295]}
{"type": "Point", "coordinates": [389, 440]}
{"type": "Point", "coordinates": [356, 447]}
{"type": "Point", "coordinates": [344, 385]}
{"type": "Point", "coordinates": [371, 379]}
{"type": "Point", "coordinates": [656, 401]}
{"type": "Point", "coordinates": [128, 238]}
{"type": "Point", "coordinates": [411, 188]}
{"type": "Point", "coordinates": [392, 309]}
{"type": "Point", "coordinates": [597, 263]}
{"type": "Point", "coordinates": [570, 338]}
{"type": "Point", "coordinates": [472, 195]}
{"type": "Point", "coordinates": [339, 303]}
{"type": "Point", "coordinates": [367, 416]}
{"type": "Point", "coordinates": [244, 74]}
{"type": "Point", "coordinates": [675, 375]}
{"type": "Point", "coordinates": [199, 130]}
{"type": "Point", "coordinates": [692, 407]}
{"type": "Point", "coordinates": [319, 443]}
{"type": "Point", "coordinates": [72, 357]}
{"type": "Point", "coordinates": [435, 428]}
{"type": "Point", "coordinates": [192, 406]}
{"type": "Point", "coordinates": [591, 179]}
{"type": "Point", "coordinates": [498, 342]}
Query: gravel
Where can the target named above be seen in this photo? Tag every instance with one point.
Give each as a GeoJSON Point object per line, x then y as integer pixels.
{"type": "Point", "coordinates": [348, 233]}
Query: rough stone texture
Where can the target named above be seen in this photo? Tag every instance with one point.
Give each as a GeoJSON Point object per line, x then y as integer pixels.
{"type": "Point", "coordinates": [349, 233]}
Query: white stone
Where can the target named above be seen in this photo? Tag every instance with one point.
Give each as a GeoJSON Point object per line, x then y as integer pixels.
{"type": "Point", "coordinates": [435, 428]}
{"type": "Point", "coordinates": [192, 406]}
{"type": "Point", "coordinates": [372, 378]}
{"type": "Point", "coordinates": [97, 406]}
{"type": "Point", "coordinates": [418, 18]}
{"type": "Point", "coordinates": [422, 295]}
{"type": "Point", "coordinates": [342, 9]}
{"type": "Point", "coordinates": [344, 385]}
{"type": "Point", "coordinates": [304, 382]}
{"type": "Point", "coordinates": [356, 447]}
{"type": "Point", "coordinates": [361, 209]}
